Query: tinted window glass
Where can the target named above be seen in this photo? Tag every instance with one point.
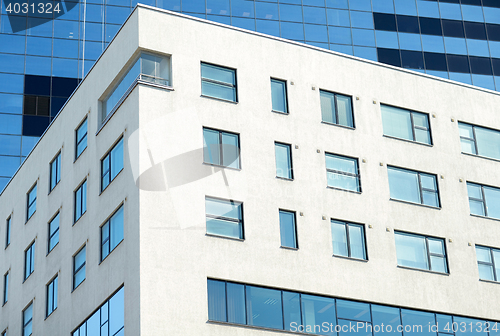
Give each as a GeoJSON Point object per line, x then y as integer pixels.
{"type": "Point", "coordinates": [384, 21]}
{"type": "Point", "coordinates": [453, 28]}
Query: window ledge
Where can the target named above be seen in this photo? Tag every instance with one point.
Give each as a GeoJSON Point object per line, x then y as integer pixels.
{"type": "Point", "coordinates": [338, 125]}
{"type": "Point", "coordinates": [103, 190]}
{"type": "Point", "coordinates": [51, 190]}
{"type": "Point", "coordinates": [83, 214]}
{"type": "Point", "coordinates": [27, 221]}
{"type": "Point", "coordinates": [121, 241]}
{"type": "Point", "coordinates": [284, 178]}
{"type": "Point", "coordinates": [220, 99]}
{"type": "Point", "coordinates": [406, 140]}
{"type": "Point", "coordinates": [280, 112]}
{"type": "Point", "coordinates": [350, 258]}
{"type": "Point", "coordinates": [52, 312]}
{"type": "Point", "coordinates": [220, 166]}
{"type": "Point", "coordinates": [347, 190]}
{"type": "Point", "coordinates": [289, 248]}
{"type": "Point", "coordinates": [490, 281]}
{"type": "Point", "coordinates": [481, 157]}
{"type": "Point", "coordinates": [83, 151]}
{"type": "Point", "coordinates": [485, 217]}
{"type": "Point", "coordinates": [74, 289]}
{"type": "Point", "coordinates": [423, 270]}
{"type": "Point", "coordinates": [412, 203]}
{"type": "Point", "coordinates": [246, 326]}
{"type": "Point", "coordinates": [52, 249]}
{"type": "Point", "coordinates": [224, 237]}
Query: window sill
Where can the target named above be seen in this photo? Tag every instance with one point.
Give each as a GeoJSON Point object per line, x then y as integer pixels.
{"type": "Point", "coordinates": [280, 112]}
{"type": "Point", "coordinates": [490, 281]}
{"type": "Point", "coordinates": [418, 204]}
{"type": "Point", "coordinates": [284, 178]}
{"type": "Point", "coordinates": [51, 190]}
{"type": "Point", "coordinates": [83, 151]}
{"type": "Point", "coordinates": [26, 279]}
{"type": "Point", "coordinates": [121, 241]}
{"type": "Point", "coordinates": [481, 157]}
{"type": "Point", "coordinates": [289, 248]}
{"type": "Point", "coordinates": [220, 166]}
{"type": "Point", "coordinates": [485, 217]}
{"type": "Point", "coordinates": [83, 214]}
{"type": "Point", "coordinates": [350, 258]}
{"type": "Point", "coordinates": [52, 249]}
{"type": "Point", "coordinates": [102, 191]}
{"type": "Point", "coordinates": [74, 289]}
{"type": "Point", "coordinates": [27, 221]}
{"type": "Point", "coordinates": [347, 190]}
{"type": "Point", "coordinates": [224, 237]}
{"type": "Point", "coordinates": [338, 125]}
{"type": "Point", "coordinates": [406, 140]}
{"type": "Point", "coordinates": [220, 99]}
{"type": "Point", "coordinates": [423, 270]}
{"type": "Point", "coordinates": [52, 312]}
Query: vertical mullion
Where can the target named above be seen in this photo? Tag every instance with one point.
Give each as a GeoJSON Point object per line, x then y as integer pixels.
{"type": "Point", "coordinates": [413, 129]}
{"type": "Point", "coordinates": [493, 264]}
{"type": "Point", "coordinates": [336, 109]}
{"type": "Point", "coordinates": [221, 159]}
{"type": "Point", "coordinates": [282, 310]}
{"type": "Point", "coordinates": [420, 189]}
{"type": "Point", "coordinates": [428, 253]}
{"type": "Point", "coordinates": [225, 291]}
{"type": "Point", "coordinates": [484, 202]}
{"type": "Point", "coordinates": [348, 239]}
{"type": "Point", "coordinates": [475, 139]}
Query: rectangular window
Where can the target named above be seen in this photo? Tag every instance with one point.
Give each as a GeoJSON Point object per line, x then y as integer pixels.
{"type": "Point", "coordinates": [31, 202]}
{"type": "Point", "coordinates": [51, 296]}
{"type": "Point", "coordinates": [111, 164]}
{"type": "Point", "coordinates": [80, 201]}
{"type": "Point", "coordinates": [484, 200]}
{"type": "Point", "coordinates": [7, 231]}
{"type": "Point", "coordinates": [55, 171]}
{"type": "Point", "coordinates": [288, 230]}
{"type": "Point", "coordinates": [412, 186]}
{"type": "Point", "coordinates": [421, 252]}
{"type": "Point", "coordinates": [284, 167]}
{"type": "Point", "coordinates": [336, 109]}
{"type": "Point", "coordinates": [53, 232]}
{"type": "Point", "coordinates": [342, 172]}
{"type": "Point", "coordinates": [81, 139]}
{"type": "Point", "coordinates": [79, 267]}
{"type": "Point", "coordinates": [29, 260]}
{"type": "Point", "coordinates": [218, 82]}
{"type": "Point", "coordinates": [488, 262]}
{"type": "Point", "coordinates": [224, 218]}
{"type": "Point", "coordinates": [278, 95]}
{"type": "Point", "coordinates": [221, 148]}
{"type": "Point", "coordinates": [108, 319]}
{"type": "Point", "coordinates": [479, 141]}
{"type": "Point", "coordinates": [27, 320]}
{"type": "Point", "coordinates": [406, 124]}
{"type": "Point", "coordinates": [150, 68]}
{"type": "Point", "coordinates": [6, 288]}
{"type": "Point", "coordinates": [348, 240]}
{"type": "Point", "coordinates": [112, 233]}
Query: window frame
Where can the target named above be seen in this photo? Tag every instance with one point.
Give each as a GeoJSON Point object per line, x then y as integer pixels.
{"type": "Point", "coordinates": [5, 298]}
{"type": "Point", "coordinates": [8, 228]}
{"type": "Point", "coordinates": [420, 190]}
{"type": "Point", "coordinates": [30, 321]}
{"type": "Point", "coordinates": [346, 225]}
{"type": "Point", "coordinates": [84, 137]}
{"type": "Point", "coordinates": [57, 162]}
{"type": "Point", "coordinates": [474, 140]}
{"type": "Point", "coordinates": [108, 240]}
{"type": "Point", "coordinates": [220, 148]}
{"type": "Point", "coordinates": [240, 221]}
{"type": "Point", "coordinates": [109, 168]}
{"type": "Point", "coordinates": [33, 202]}
{"type": "Point", "coordinates": [496, 276]}
{"type": "Point", "coordinates": [80, 186]}
{"type": "Point", "coordinates": [208, 80]}
{"type": "Point", "coordinates": [51, 298]}
{"type": "Point", "coordinates": [51, 235]}
{"type": "Point", "coordinates": [295, 235]}
{"type": "Point", "coordinates": [483, 200]}
{"type": "Point", "coordinates": [31, 249]}
{"type": "Point", "coordinates": [335, 94]}
{"type": "Point", "coordinates": [285, 95]}
{"type": "Point", "coordinates": [412, 125]}
{"type": "Point", "coordinates": [290, 159]}
{"type": "Point", "coordinates": [80, 267]}
{"type": "Point", "coordinates": [339, 172]}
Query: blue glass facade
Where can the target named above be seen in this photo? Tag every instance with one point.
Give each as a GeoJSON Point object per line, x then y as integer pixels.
{"type": "Point", "coordinates": [43, 57]}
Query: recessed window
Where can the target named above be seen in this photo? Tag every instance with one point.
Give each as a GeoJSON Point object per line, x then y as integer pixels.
{"type": "Point", "coordinates": [55, 171]}
{"type": "Point", "coordinates": [81, 138]}
{"type": "Point", "coordinates": [288, 230]}
{"type": "Point", "coordinates": [218, 82]}
{"type": "Point", "coordinates": [484, 200]}
{"type": "Point", "coordinates": [348, 240]}
{"type": "Point", "coordinates": [7, 231]}
{"type": "Point", "coordinates": [221, 148]}
{"type": "Point", "coordinates": [79, 267]}
{"type": "Point", "coordinates": [51, 296]}
{"type": "Point", "coordinates": [112, 233]}
{"type": "Point", "coordinates": [413, 186]}
{"type": "Point", "coordinates": [283, 154]}
{"type": "Point", "coordinates": [479, 141]}
{"type": "Point", "coordinates": [111, 164]}
{"type": "Point", "coordinates": [421, 252]}
{"type": "Point", "coordinates": [278, 95]}
{"type": "Point", "coordinates": [149, 67]}
{"type": "Point", "coordinates": [336, 109]}
{"type": "Point", "coordinates": [80, 201]}
{"type": "Point", "coordinates": [6, 288]}
{"type": "Point", "coordinates": [488, 262]}
{"type": "Point", "coordinates": [54, 232]}
{"type": "Point", "coordinates": [28, 320]}
{"type": "Point", "coordinates": [31, 202]}
{"type": "Point", "coordinates": [342, 172]}
{"type": "Point", "coordinates": [224, 218]}
{"type": "Point", "coordinates": [406, 124]}
{"type": "Point", "coordinates": [29, 260]}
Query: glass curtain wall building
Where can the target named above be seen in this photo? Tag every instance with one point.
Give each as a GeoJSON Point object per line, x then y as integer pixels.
{"type": "Point", "coordinates": [43, 56]}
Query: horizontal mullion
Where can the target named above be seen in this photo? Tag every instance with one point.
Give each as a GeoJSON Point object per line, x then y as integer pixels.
{"type": "Point", "coordinates": [218, 82]}
{"type": "Point", "coordinates": [342, 173]}
{"type": "Point", "coordinates": [229, 219]}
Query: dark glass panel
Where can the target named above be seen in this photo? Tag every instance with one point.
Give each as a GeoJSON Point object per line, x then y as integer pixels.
{"type": "Point", "coordinates": [29, 106]}
{"type": "Point", "coordinates": [493, 31]}
{"type": "Point", "coordinates": [453, 28]}
{"type": "Point", "coordinates": [430, 26]}
{"type": "Point", "coordinates": [458, 63]}
{"type": "Point", "coordinates": [480, 65]}
{"type": "Point", "coordinates": [475, 30]}
{"type": "Point", "coordinates": [450, 1]}
{"type": "Point", "coordinates": [435, 61]}
{"type": "Point", "coordinates": [412, 59]}
{"type": "Point", "coordinates": [63, 87]}
{"type": "Point", "coordinates": [491, 3]}
{"type": "Point", "coordinates": [43, 106]}
{"type": "Point", "coordinates": [384, 21]}
{"type": "Point", "coordinates": [389, 56]}
{"type": "Point", "coordinates": [37, 85]}
{"type": "Point", "coordinates": [55, 105]}
{"type": "Point", "coordinates": [408, 24]}
{"type": "Point", "coordinates": [471, 2]}
{"type": "Point", "coordinates": [34, 125]}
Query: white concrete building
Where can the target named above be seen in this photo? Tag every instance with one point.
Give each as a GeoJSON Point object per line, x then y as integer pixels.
{"type": "Point", "coordinates": [201, 177]}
